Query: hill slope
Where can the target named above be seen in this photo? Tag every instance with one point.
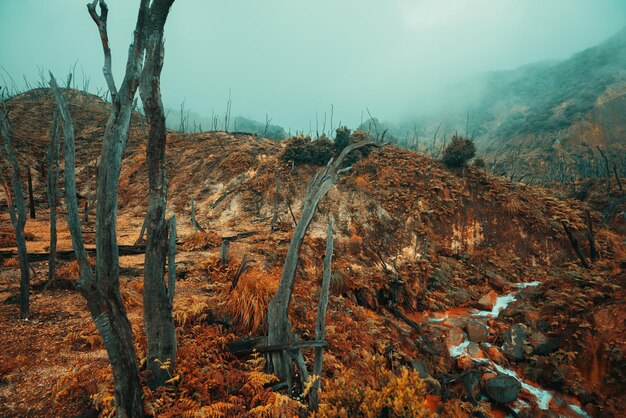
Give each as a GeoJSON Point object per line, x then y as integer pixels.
{"type": "Point", "coordinates": [414, 241]}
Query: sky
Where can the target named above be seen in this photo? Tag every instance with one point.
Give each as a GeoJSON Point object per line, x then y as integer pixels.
{"type": "Point", "coordinates": [291, 59]}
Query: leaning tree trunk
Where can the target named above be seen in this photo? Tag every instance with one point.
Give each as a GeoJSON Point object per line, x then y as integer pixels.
{"type": "Point", "coordinates": [279, 328]}
{"type": "Point", "coordinates": [17, 212]}
{"type": "Point", "coordinates": [103, 300]}
{"type": "Point", "coordinates": [53, 184]}
{"type": "Point", "coordinates": [320, 323]}
{"type": "Point", "coordinates": [157, 303]}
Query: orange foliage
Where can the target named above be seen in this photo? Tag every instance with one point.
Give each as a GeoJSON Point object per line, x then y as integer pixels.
{"type": "Point", "coordinates": [247, 304]}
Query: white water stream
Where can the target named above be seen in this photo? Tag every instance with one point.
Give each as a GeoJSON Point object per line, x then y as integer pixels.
{"type": "Point", "coordinates": [502, 302]}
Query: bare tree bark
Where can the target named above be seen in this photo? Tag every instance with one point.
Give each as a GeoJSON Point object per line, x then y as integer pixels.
{"type": "Point", "coordinates": [53, 184]}
{"type": "Point", "coordinates": [103, 300]}
{"type": "Point", "coordinates": [139, 240]}
{"type": "Point", "coordinates": [31, 198]}
{"type": "Point", "coordinates": [320, 324]}
{"type": "Point", "coordinates": [171, 260]}
{"type": "Point", "coordinates": [279, 327]}
{"type": "Point", "coordinates": [17, 212]}
{"type": "Point", "coordinates": [157, 307]}
{"type": "Point", "coordinates": [617, 179]}
{"type": "Point", "coordinates": [275, 206]}
{"type": "Point", "coordinates": [194, 222]}
{"type": "Point", "coordinates": [224, 251]}
{"type": "Point", "coordinates": [575, 246]}
{"type": "Point", "coordinates": [593, 251]}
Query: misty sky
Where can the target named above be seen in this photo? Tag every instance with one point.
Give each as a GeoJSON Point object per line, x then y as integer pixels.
{"type": "Point", "coordinates": [293, 58]}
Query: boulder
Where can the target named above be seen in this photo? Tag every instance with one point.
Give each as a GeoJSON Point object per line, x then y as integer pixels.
{"type": "Point", "coordinates": [476, 332]}
{"type": "Point", "coordinates": [464, 362]}
{"type": "Point", "coordinates": [514, 341]}
{"type": "Point", "coordinates": [487, 301]}
{"type": "Point", "coordinates": [455, 337]}
{"type": "Point", "coordinates": [421, 368]}
{"type": "Point", "coordinates": [503, 389]}
{"type": "Point", "coordinates": [543, 344]}
{"type": "Point", "coordinates": [496, 356]}
{"type": "Point", "coordinates": [496, 281]}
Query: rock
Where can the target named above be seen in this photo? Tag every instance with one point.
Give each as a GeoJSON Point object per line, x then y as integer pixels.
{"type": "Point", "coordinates": [496, 281]}
{"type": "Point", "coordinates": [476, 332]}
{"type": "Point", "coordinates": [487, 301]}
{"type": "Point", "coordinates": [421, 368]}
{"type": "Point", "coordinates": [503, 389]}
{"type": "Point", "coordinates": [455, 337]}
{"type": "Point", "coordinates": [464, 362]}
{"type": "Point", "coordinates": [495, 355]}
{"type": "Point", "coordinates": [514, 341]}
{"type": "Point", "coordinates": [474, 351]}
{"type": "Point", "coordinates": [543, 344]}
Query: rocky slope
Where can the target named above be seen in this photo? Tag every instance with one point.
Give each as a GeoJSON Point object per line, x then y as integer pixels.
{"type": "Point", "coordinates": [470, 257]}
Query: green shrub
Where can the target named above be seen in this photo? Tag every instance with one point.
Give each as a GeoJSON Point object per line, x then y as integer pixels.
{"type": "Point", "coordinates": [458, 152]}
{"type": "Point", "coordinates": [304, 150]}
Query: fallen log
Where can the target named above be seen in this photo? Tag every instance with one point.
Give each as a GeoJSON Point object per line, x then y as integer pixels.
{"type": "Point", "coordinates": [69, 254]}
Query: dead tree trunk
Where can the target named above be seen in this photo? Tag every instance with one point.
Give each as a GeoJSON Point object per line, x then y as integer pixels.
{"type": "Point", "coordinates": [575, 246]}
{"type": "Point", "coordinates": [194, 222]}
{"type": "Point", "coordinates": [102, 291]}
{"type": "Point", "coordinates": [171, 260]}
{"type": "Point", "coordinates": [593, 251]}
{"type": "Point", "coordinates": [617, 179]}
{"type": "Point", "coordinates": [139, 240]}
{"type": "Point", "coordinates": [53, 184]}
{"type": "Point", "coordinates": [17, 212]}
{"type": "Point", "coordinates": [157, 307]}
{"type": "Point", "coordinates": [320, 324]}
{"type": "Point", "coordinates": [31, 198]}
{"type": "Point", "coordinates": [224, 251]}
{"type": "Point", "coordinates": [279, 327]}
{"type": "Point", "coordinates": [102, 294]}
{"type": "Point", "coordinates": [275, 206]}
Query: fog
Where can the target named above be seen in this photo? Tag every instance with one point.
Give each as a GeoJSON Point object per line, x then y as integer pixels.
{"type": "Point", "coordinates": [291, 59]}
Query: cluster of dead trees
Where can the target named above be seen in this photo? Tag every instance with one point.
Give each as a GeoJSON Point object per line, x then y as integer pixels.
{"type": "Point", "coordinates": [100, 286]}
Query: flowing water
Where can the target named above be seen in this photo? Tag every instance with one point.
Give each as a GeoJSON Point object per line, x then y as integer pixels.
{"type": "Point", "coordinates": [543, 397]}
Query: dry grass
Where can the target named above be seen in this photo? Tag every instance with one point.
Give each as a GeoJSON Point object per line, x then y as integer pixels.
{"type": "Point", "coordinates": [247, 304]}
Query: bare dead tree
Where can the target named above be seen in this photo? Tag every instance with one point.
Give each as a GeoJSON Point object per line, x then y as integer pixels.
{"type": "Point", "coordinates": [575, 246]}
{"type": "Point", "coordinates": [53, 184]}
{"type": "Point", "coordinates": [275, 206]}
{"type": "Point", "coordinates": [194, 222]}
{"type": "Point", "coordinates": [142, 233]}
{"type": "Point", "coordinates": [171, 259]}
{"type": "Point", "coordinates": [279, 327]}
{"type": "Point", "coordinates": [224, 251]}
{"type": "Point", "coordinates": [608, 170]}
{"type": "Point", "coordinates": [31, 198]}
{"type": "Point", "coordinates": [617, 179]}
{"type": "Point", "coordinates": [102, 290]}
{"type": "Point", "coordinates": [157, 303]}
{"type": "Point", "coordinates": [17, 212]}
{"type": "Point", "coordinates": [320, 323]}
{"type": "Point", "coordinates": [240, 270]}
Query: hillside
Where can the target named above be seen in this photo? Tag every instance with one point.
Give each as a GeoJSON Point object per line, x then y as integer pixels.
{"type": "Point", "coordinates": [547, 113]}
{"type": "Point", "coordinates": [482, 265]}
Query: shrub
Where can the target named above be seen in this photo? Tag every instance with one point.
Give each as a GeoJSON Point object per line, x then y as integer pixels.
{"type": "Point", "coordinates": [304, 150]}
{"type": "Point", "coordinates": [342, 139]}
{"type": "Point", "coordinates": [479, 162]}
{"type": "Point", "coordinates": [458, 152]}
{"type": "Point", "coordinates": [384, 394]}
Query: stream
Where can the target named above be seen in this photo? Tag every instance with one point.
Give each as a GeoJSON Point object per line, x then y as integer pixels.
{"type": "Point", "coordinates": [543, 397]}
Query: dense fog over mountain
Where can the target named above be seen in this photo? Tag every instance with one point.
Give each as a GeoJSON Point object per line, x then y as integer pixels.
{"type": "Point", "coordinates": [293, 59]}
